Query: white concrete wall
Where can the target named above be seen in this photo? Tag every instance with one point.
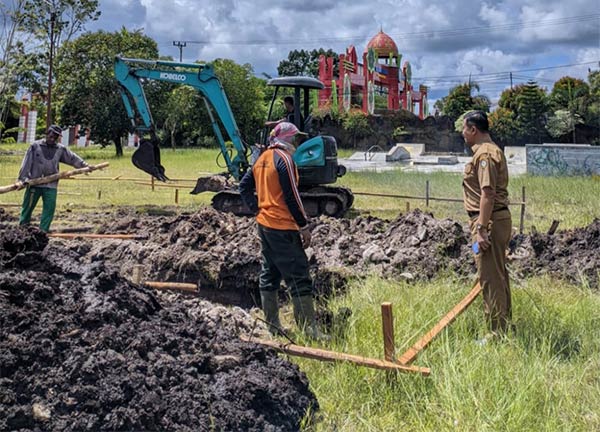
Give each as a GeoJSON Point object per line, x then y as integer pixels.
{"type": "Point", "coordinates": [562, 159]}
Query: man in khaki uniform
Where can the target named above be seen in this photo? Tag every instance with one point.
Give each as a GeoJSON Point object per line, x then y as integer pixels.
{"type": "Point", "coordinates": [485, 194]}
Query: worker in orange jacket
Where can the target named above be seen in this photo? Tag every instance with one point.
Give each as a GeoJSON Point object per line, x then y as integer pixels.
{"type": "Point", "coordinates": [283, 229]}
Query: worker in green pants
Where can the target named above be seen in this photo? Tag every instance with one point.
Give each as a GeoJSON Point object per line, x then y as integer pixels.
{"type": "Point", "coordinates": [42, 159]}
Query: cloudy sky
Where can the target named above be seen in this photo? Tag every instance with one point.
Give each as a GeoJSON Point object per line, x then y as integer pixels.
{"type": "Point", "coordinates": [445, 40]}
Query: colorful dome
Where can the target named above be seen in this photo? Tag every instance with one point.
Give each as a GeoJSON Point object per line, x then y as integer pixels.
{"type": "Point", "coordinates": [383, 45]}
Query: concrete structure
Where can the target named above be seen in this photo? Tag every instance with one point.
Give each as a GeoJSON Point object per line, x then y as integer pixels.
{"type": "Point", "coordinates": [562, 159]}
{"type": "Point", "coordinates": [397, 153]}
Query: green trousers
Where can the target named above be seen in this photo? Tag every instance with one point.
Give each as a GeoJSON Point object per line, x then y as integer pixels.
{"type": "Point", "coordinates": [283, 257]}
{"type": "Point", "coordinates": [30, 199]}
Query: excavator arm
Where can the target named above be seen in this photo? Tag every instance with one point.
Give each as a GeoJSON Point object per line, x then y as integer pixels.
{"type": "Point", "coordinates": [130, 74]}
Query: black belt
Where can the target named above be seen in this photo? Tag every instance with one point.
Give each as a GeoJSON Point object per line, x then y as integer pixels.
{"type": "Point", "coordinates": [476, 213]}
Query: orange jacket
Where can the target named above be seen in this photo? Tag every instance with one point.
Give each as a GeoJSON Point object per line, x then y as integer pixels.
{"type": "Point", "coordinates": [274, 177]}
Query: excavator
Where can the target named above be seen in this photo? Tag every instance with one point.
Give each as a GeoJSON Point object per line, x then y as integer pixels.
{"type": "Point", "coordinates": [316, 158]}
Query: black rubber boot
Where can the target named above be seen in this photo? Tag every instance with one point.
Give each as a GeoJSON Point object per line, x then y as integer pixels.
{"type": "Point", "coordinates": [270, 306]}
{"type": "Point", "coordinates": [304, 314]}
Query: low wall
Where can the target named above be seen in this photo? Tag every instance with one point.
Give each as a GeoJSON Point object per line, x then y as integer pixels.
{"type": "Point", "coordinates": [562, 159]}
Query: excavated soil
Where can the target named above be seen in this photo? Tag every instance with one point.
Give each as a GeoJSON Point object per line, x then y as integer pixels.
{"type": "Point", "coordinates": [221, 252]}
{"type": "Point", "coordinates": [81, 348]}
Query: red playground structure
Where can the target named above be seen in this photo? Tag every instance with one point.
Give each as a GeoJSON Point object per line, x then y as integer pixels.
{"type": "Point", "coordinates": [379, 71]}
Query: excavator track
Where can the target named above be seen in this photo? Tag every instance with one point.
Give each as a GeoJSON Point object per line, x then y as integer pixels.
{"type": "Point", "coordinates": [320, 200]}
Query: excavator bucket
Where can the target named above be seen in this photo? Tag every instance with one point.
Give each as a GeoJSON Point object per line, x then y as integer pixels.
{"type": "Point", "coordinates": [214, 183]}
{"type": "Point", "coordinates": [147, 158]}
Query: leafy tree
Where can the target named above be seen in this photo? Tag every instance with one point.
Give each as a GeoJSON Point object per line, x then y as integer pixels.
{"type": "Point", "coordinates": [89, 93]}
{"type": "Point", "coordinates": [532, 108]}
{"type": "Point", "coordinates": [508, 98]}
{"type": "Point", "coordinates": [592, 109]}
{"type": "Point", "coordinates": [566, 92]}
{"type": "Point", "coordinates": [51, 23]}
{"type": "Point", "coordinates": [459, 101]}
{"type": "Point", "coordinates": [304, 62]}
{"type": "Point", "coordinates": [179, 111]}
{"type": "Point", "coordinates": [503, 126]}
{"type": "Point", "coordinates": [562, 123]}
{"type": "Point", "coordinates": [245, 93]}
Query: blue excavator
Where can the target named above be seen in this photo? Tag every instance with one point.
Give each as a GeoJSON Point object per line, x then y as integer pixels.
{"type": "Point", "coordinates": [316, 158]}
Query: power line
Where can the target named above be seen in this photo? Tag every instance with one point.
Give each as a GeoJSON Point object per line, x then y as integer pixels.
{"type": "Point", "coordinates": [491, 74]}
{"type": "Point", "coordinates": [429, 34]}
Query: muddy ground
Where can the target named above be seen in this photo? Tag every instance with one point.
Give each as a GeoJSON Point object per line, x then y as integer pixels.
{"type": "Point", "coordinates": [81, 348]}
{"type": "Point", "coordinates": [221, 252]}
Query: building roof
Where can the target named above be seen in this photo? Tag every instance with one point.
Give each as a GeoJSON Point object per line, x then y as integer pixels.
{"type": "Point", "coordinates": [382, 44]}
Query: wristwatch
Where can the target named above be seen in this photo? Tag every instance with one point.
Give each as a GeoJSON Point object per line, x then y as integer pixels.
{"type": "Point", "coordinates": [479, 227]}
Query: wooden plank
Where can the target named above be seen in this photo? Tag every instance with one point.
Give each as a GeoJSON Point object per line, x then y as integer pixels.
{"type": "Point", "coordinates": [387, 322]}
{"type": "Point", "coordinates": [96, 236]}
{"type": "Point", "coordinates": [179, 286]}
{"type": "Point", "coordinates": [332, 356]}
{"type": "Point", "coordinates": [53, 177]}
{"type": "Point", "coordinates": [412, 353]}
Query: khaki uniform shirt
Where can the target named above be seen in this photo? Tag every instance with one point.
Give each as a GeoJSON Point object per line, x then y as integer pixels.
{"type": "Point", "coordinates": [487, 169]}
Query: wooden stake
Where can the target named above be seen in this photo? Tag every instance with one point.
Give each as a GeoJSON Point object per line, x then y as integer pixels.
{"type": "Point", "coordinates": [522, 218]}
{"type": "Point", "coordinates": [179, 286]}
{"type": "Point", "coordinates": [99, 194]}
{"type": "Point", "coordinates": [553, 227]}
{"type": "Point", "coordinates": [407, 207]}
{"type": "Point", "coordinates": [53, 177]}
{"type": "Point", "coordinates": [177, 196]}
{"type": "Point", "coordinates": [152, 182]}
{"type": "Point", "coordinates": [427, 193]}
{"type": "Point", "coordinates": [332, 356]}
{"type": "Point", "coordinates": [388, 332]}
{"type": "Point", "coordinates": [138, 272]}
{"type": "Point", "coordinates": [412, 353]}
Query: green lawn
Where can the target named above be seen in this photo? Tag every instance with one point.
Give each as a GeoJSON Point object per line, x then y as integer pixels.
{"type": "Point", "coordinates": [543, 378]}
{"type": "Point", "coordinates": [571, 200]}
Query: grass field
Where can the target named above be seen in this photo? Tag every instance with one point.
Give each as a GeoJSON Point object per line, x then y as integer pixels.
{"type": "Point", "coordinates": [545, 377]}
{"type": "Point", "coordinates": [571, 200]}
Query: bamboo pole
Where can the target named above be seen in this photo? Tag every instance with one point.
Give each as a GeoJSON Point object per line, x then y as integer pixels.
{"type": "Point", "coordinates": [332, 356]}
{"type": "Point", "coordinates": [164, 185]}
{"type": "Point", "coordinates": [409, 356]}
{"type": "Point", "coordinates": [95, 236]}
{"type": "Point", "coordinates": [387, 320]}
{"type": "Point", "coordinates": [459, 200]}
{"type": "Point", "coordinates": [53, 177]}
{"type": "Point", "coordinates": [179, 286]}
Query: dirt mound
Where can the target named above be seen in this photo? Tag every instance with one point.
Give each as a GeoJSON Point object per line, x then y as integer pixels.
{"type": "Point", "coordinates": [221, 252]}
{"type": "Point", "coordinates": [569, 254]}
{"type": "Point", "coordinates": [5, 216]}
{"type": "Point", "coordinates": [83, 349]}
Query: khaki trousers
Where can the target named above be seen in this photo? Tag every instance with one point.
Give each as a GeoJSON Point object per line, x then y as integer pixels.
{"type": "Point", "coordinates": [492, 272]}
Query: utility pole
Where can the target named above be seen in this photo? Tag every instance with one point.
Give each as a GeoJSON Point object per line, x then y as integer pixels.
{"type": "Point", "coordinates": [50, 61]}
{"type": "Point", "coordinates": [181, 45]}
{"type": "Point", "coordinates": [511, 81]}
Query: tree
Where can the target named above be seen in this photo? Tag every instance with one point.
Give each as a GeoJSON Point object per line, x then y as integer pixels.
{"type": "Point", "coordinates": [592, 111]}
{"type": "Point", "coordinates": [305, 63]}
{"type": "Point", "coordinates": [459, 101]}
{"type": "Point", "coordinates": [10, 51]}
{"type": "Point", "coordinates": [566, 92]}
{"type": "Point", "coordinates": [88, 90]}
{"type": "Point", "coordinates": [503, 126]}
{"type": "Point", "coordinates": [245, 93]}
{"type": "Point", "coordinates": [52, 23]}
{"type": "Point", "coordinates": [532, 108]}
{"type": "Point", "coordinates": [562, 123]}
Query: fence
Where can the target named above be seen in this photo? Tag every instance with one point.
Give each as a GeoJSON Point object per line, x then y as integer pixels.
{"type": "Point", "coordinates": [427, 198]}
